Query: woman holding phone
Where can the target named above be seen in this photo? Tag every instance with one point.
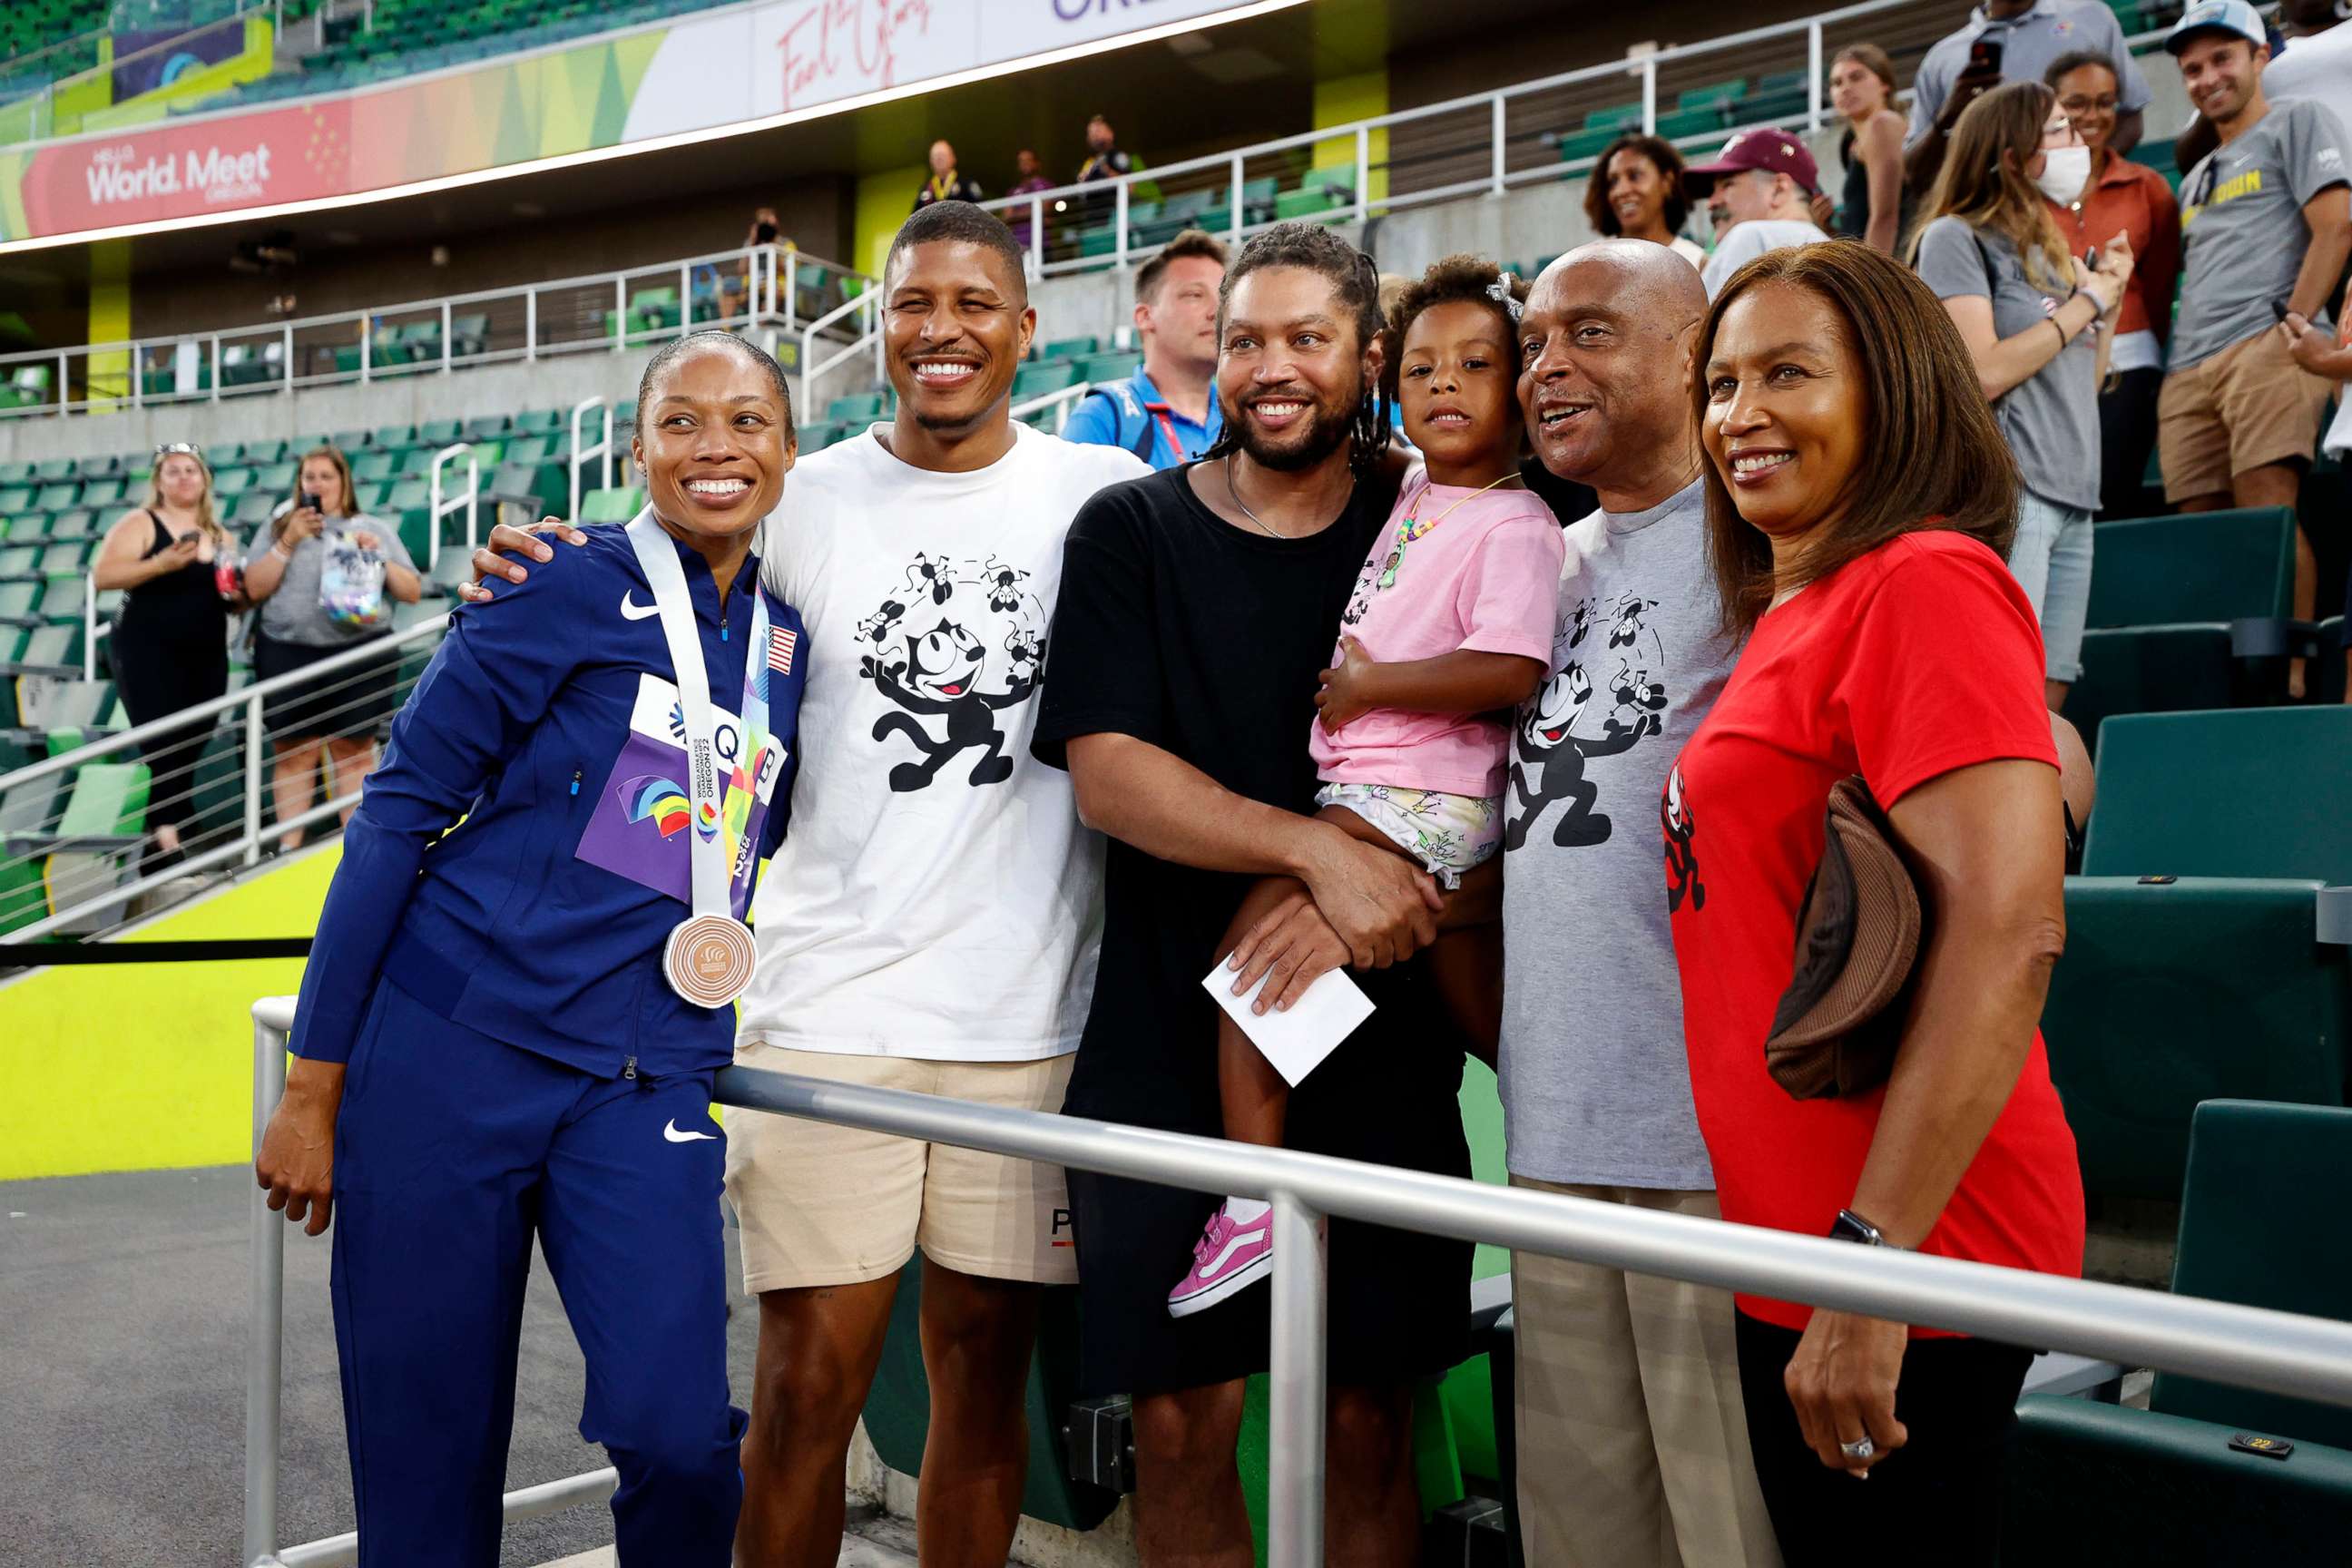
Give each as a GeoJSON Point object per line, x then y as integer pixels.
{"type": "Point", "coordinates": [508, 1028]}
{"type": "Point", "coordinates": [337, 716]}
{"type": "Point", "coordinates": [169, 647]}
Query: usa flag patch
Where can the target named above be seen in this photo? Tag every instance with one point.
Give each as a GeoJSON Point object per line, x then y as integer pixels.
{"type": "Point", "coordinates": [781, 644]}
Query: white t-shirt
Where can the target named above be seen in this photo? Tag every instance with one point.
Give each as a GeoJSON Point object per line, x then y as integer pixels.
{"type": "Point", "coordinates": [936, 896]}
{"type": "Point", "coordinates": [1751, 239]}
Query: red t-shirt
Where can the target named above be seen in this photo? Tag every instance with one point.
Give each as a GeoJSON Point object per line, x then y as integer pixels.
{"type": "Point", "coordinates": [1917, 658]}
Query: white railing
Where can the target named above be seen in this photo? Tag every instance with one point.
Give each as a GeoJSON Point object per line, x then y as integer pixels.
{"type": "Point", "coordinates": [467, 502]}
{"type": "Point", "coordinates": [218, 848]}
{"type": "Point", "coordinates": [864, 337]}
{"type": "Point", "coordinates": [745, 289]}
{"type": "Point", "coordinates": [92, 628]}
{"type": "Point", "coordinates": [601, 453]}
{"type": "Point", "coordinates": [2254, 1347]}
{"type": "Point", "coordinates": [18, 100]}
{"type": "Point", "coordinates": [1062, 403]}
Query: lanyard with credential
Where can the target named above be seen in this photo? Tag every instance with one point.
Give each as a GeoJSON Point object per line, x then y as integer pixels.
{"type": "Point", "coordinates": [710, 956]}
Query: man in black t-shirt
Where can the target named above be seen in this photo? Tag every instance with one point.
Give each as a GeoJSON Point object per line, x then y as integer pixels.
{"type": "Point", "coordinates": [1199, 606]}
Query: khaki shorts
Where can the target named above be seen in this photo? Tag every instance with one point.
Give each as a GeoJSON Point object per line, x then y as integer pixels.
{"type": "Point", "coordinates": [2245, 407]}
{"type": "Point", "coordinates": [821, 1205]}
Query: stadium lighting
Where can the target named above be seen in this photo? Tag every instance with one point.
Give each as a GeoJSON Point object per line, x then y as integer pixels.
{"type": "Point", "coordinates": [1156, 33]}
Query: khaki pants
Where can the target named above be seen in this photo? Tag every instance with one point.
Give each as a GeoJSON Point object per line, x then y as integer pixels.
{"type": "Point", "coordinates": [1633, 1440]}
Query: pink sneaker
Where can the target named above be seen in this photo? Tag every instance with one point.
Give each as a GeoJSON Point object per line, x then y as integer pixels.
{"type": "Point", "coordinates": [1231, 1255]}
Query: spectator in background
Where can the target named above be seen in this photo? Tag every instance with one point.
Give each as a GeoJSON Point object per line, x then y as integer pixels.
{"type": "Point", "coordinates": [946, 183]}
{"type": "Point", "coordinates": [1884, 638]}
{"type": "Point", "coordinates": [764, 229]}
{"type": "Point", "coordinates": [1032, 181]}
{"type": "Point", "coordinates": [2132, 200]}
{"type": "Point", "coordinates": [2010, 40]}
{"type": "Point", "coordinates": [1758, 191]}
{"type": "Point", "coordinates": [169, 647]}
{"type": "Point", "coordinates": [2029, 313]}
{"type": "Point", "coordinates": [2322, 353]}
{"type": "Point", "coordinates": [1104, 159]}
{"type": "Point", "coordinates": [1876, 207]}
{"type": "Point", "coordinates": [2318, 60]}
{"type": "Point", "coordinates": [1166, 413]}
{"type": "Point", "coordinates": [321, 534]}
{"type": "Point", "coordinates": [2267, 230]}
{"type": "Point", "coordinates": [1637, 193]}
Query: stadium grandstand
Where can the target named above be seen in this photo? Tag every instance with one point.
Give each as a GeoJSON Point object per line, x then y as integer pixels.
{"type": "Point", "coordinates": [440, 240]}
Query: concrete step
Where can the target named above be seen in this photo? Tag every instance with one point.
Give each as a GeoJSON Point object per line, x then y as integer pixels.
{"type": "Point", "coordinates": [873, 1540]}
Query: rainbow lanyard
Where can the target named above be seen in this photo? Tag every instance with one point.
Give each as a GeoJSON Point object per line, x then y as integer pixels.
{"type": "Point", "coordinates": [1413, 528]}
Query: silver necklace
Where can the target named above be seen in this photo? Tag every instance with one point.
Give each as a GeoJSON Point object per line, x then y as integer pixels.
{"type": "Point", "coordinates": [1235, 490]}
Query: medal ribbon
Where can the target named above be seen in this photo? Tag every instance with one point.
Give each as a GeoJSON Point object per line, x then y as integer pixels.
{"type": "Point", "coordinates": [706, 857]}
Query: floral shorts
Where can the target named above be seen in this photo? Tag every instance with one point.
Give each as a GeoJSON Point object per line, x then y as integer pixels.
{"type": "Point", "coordinates": [1448, 834]}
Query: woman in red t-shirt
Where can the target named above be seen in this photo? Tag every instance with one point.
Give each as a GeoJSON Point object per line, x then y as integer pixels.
{"type": "Point", "coordinates": [1859, 496]}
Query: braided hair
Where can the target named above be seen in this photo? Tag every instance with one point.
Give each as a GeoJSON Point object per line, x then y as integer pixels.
{"type": "Point", "coordinates": [1356, 285]}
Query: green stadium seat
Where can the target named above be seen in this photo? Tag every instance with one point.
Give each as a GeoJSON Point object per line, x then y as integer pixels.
{"type": "Point", "coordinates": [485, 426]}
{"type": "Point", "coordinates": [1687, 123]}
{"type": "Point", "coordinates": [76, 525]}
{"type": "Point", "coordinates": [469, 336]}
{"type": "Point", "coordinates": [534, 449]}
{"type": "Point", "coordinates": [278, 477]}
{"type": "Point", "coordinates": [376, 465]}
{"type": "Point", "coordinates": [542, 420]}
{"type": "Point", "coordinates": [439, 433]}
{"type": "Point", "coordinates": [56, 497]}
{"type": "Point", "coordinates": [273, 450]}
{"type": "Point", "coordinates": [817, 436]}
{"type": "Point", "coordinates": [1313, 201]}
{"type": "Point", "coordinates": [2192, 968]}
{"type": "Point", "coordinates": [106, 467]}
{"type": "Point", "coordinates": [22, 472]}
{"type": "Point", "coordinates": [1068, 348]}
{"type": "Point", "coordinates": [254, 507]}
{"type": "Point", "coordinates": [863, 408]}
{"type": "Point", "coordinates": [395, 436]}
{"type": "Point", "coordinates": [1116, 366]}
{"type": "Point", "coordinates": [15, 499]}
{"type": "Point", "coordinates": [18, 596]}
{"type": "Point", "coordinates": [50, 471]}
{"type": "Point", "coordinates": [2261, 1224]}
{"type": "Point", "coordinates": [1714, 95]}
{"type": "Point", "coordinates": [2250, 794]}
{"type": "Point", "coordinates": [617, 505]}
{"type": "Point", "coordinates": [64, 556]}
{"type": "Point", "coordinates": [29, 528]}
{"type": "Point", "coordinates": [102, 493]}
{"type": "Point", "coordinates": [98, 836]}
{"type": "Point", "coordinates": [230, 483]}
{"type": "Point", "coordinates": [1623, 117]}
{"type": "Point", "coordinates": [1037, 380]}
{"type": "Point", "coordinates": [1580, 146]}
{"type": "Point", "coordinates": [2196, 566]}
{"type": "Point", "coordinates": [17, 560]}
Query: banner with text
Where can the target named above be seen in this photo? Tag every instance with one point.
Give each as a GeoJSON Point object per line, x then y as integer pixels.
{"type": "Point", "coordinates": [747, 64]}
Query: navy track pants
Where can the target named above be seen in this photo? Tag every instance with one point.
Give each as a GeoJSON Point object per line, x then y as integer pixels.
{"type": "Point", "coordinates": [452, 1151]}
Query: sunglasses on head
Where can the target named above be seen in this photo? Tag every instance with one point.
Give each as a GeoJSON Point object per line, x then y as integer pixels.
{"type": "Point", "coordinates": [179, 448]}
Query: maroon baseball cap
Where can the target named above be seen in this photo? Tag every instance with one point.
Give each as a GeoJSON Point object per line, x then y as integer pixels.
{"type": "Point", "coordinates": [1766, 147]}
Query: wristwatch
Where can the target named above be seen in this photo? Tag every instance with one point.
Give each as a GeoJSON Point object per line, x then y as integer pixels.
{"type": "Point", "coordinates": [1852, 1226]}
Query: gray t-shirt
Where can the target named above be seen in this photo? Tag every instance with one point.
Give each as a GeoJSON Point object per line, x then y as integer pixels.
{"type": "Point", "coordinates": [1749, 240]}
{"type": "Point", "coordinates": [2241, 231]}
{"type": "Point", "coordinates": [1595, 1077]}
{"type": "Point", "coordinates": [2052, 417]}
{"type": "Point", "coordinates": [2030, 44]}
{"type": "Point", "coordinates": [293, 613]}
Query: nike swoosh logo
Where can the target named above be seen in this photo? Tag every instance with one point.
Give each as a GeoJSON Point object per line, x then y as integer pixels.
{"type": "Point", "coordinates": [636, 612]}
{"type": "Point", "coordinates": [670, 1134]}
{"type": "Point", "coordinates": [1216, 1264]}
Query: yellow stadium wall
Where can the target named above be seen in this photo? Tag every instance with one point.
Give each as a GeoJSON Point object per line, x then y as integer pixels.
{"type": "Point", "coordinates": [1342, 100]}
{"type": "Point", "coordinates": [109, 321]}
{"type": "Point", "coordinates": [884, 201]}
{"type": "Point", "coordinates": [136, 1067]}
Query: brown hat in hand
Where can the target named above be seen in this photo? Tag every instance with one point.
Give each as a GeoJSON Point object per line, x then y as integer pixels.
{"type": "Point", "coordinates": [1858, 939]}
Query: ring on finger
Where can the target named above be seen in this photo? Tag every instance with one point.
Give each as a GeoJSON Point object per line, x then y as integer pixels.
{"type": "Point", "coordinates": [1859, 1450]}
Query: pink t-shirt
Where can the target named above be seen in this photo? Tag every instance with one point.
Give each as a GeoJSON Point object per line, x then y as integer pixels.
{"type": "Point", "coordinates": [1486, 578]}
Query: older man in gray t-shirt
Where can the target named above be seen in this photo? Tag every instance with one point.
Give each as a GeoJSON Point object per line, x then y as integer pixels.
{"type": "Point", "coordinates": [1632, 1437]}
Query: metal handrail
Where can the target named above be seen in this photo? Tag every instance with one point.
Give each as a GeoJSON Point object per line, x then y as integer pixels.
{"type": "Point", "coordinates": [49, 87]}
{"type": "Point", "coordinates": [602, 449]}
{"type": "Point", "coordinates": [1065, 400]}
{"type": "Point", "coordinates": [467, 502]}
{"type": "Point", "coordinates": [66, 761]}
{"type": "Point", "coordinates": [2254, 1347]}
{"type": "Point", "coordinates": [860, 340]}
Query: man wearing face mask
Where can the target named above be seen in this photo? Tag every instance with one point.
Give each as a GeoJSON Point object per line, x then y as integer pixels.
{"type": "Point", "coordinates": [1758, 192]}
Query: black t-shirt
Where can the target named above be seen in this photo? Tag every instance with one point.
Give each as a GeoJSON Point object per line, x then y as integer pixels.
{"type": "Point", "coordinates": [1181, 630]}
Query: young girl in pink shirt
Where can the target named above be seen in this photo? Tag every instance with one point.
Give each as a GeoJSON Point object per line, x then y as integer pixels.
{"type": "Point", "coordinates": [1449, 630]}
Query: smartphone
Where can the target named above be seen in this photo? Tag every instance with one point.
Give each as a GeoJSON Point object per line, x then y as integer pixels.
{"type": "Point", "coordinates": [1984, 57]}
{"type": "Point", "coordinates": [311, 501]}
{"type": "Point", "coordinates": [2091, 258]}
{"type": "Point", "coordinates": [2279, 309]}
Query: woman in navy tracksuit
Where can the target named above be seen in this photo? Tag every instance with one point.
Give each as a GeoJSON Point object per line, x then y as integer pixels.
{"type": "Point", "coordinates": [488, 1047]}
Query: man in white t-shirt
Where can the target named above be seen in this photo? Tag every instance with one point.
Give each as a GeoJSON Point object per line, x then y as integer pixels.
{"type": "Point", "coordinates": [1758, 191]}
{"type": "Point", "coordinates": [933, 921]}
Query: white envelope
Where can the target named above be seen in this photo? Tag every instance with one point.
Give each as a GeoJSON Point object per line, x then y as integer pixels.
{"type": "Point", "coordinates": [1296, 1042]}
